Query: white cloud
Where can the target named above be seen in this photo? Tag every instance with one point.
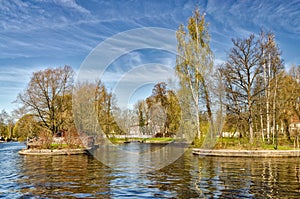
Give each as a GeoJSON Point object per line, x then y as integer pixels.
{"type": "Point", "coordinates": [243, 16]}
{"type": "Point", "coordinates": [12, 82]}
{"type": "Point", "coordinates": [43, 30]}
{"type": "Point", "coordinates": [219, 62]}
{"type": "Point", "coordinates": [17, 75]}
{"type": "Point", "coordinates": [124, 83]}
{"type": "Point", "coordinates": [71, 4]}
{"type": "Point", "coordinates": [147, 74]}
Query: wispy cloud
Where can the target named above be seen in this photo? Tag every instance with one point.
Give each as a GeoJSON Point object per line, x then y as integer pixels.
{"type": "Point", "coordinates": [13, 81]}
{"type": "Point", "coordinates": [137, 78]}
{"type": "Point", "coordinates": [12, 78]}
{"type": "Point", "coordinates": [124, 84]}
{"type": "Point", "coordinates": [232, 19]}
{"type": "Point", "coordinates": [42, 33]}
{"type": "Point", "coordinates": [242, 16]}
{"type": "Point", "coordinates": [70, 4]}
{"type": "Point", "coordinates": [67, 27]}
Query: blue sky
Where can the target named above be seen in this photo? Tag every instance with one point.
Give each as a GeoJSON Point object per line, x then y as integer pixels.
{"type": "Point", "coordinates": [36, 34]}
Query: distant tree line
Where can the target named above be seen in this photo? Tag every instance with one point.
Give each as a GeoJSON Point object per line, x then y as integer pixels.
{"type": "Point", "coordinates": [6, 126]}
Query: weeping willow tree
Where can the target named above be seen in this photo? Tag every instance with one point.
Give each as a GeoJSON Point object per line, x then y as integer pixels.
{"type": "Point", "coordinates": [194, 63]}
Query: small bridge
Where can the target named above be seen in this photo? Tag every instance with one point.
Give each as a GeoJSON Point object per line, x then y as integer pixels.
{"type": "Point", "coordinates": [133, 136]}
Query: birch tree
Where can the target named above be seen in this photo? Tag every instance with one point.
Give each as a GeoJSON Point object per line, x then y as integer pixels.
{"type": "Point", "coordinates": [194, 64]}
{"type": "Point", "coordinates": [272, 65]}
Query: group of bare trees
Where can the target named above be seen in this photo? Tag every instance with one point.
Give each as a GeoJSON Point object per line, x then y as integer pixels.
{"type": "Point", "coordinates": [53, 106]}
{"type": "Point", "coordinates": [95, 110]}
{"type": "Point", "coordinates": [253, 63]}
{"type": "Point", "coordinates": [260, 98]}
{"type": "Point", "coordinates": [260, 94]}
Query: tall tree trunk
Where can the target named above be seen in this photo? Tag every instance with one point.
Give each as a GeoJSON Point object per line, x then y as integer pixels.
{"type": "Point", "coordinates": [287, 130]}
{"type": "Point", "coordinates": [250, 120]}
{"type": "Point", "coordinates": [261, 124]}
{"type": "Point", "coordinates": [274, 110]}
{"type": "Point", "coordinates": [268, 120]}
{"type": "Point", "coordinates": [198, 125]}
{"type": "Point", "coordinates": [267, 93]}
{"type": "Point", "coordinates": [251, 128]}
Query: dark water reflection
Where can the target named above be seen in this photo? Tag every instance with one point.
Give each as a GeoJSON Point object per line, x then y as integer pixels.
{"type": "Point", "coordinates": [82, 176]}
{"type": "Point", "coordinates": [249, 177]}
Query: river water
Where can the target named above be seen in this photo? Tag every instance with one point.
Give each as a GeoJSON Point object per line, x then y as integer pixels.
{"type": "Point", "coordinates": [82, 176]}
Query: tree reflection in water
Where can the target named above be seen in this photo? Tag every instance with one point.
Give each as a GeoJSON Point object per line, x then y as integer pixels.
{"type": "Point", "coordinates": [82, 176]}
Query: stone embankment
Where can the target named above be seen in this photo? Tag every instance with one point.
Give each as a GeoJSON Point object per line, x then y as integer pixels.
{"type": "Point", "coordinates": [53, 151]}
{"type": "Point", "coordinates": [246, 153]}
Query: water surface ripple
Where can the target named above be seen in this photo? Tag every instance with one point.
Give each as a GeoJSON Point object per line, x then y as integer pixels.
{"type": "Point", "coordinates": [82, 176]}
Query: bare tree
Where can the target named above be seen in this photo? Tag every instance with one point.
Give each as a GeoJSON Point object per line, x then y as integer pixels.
{"type": "Point", "coordinates": [46, 96]}
{"type": "Point", "coordinates": [240, 72]}
{"type": "Point", "coordinates": [85, 114]}
{"type": "Point", "coordinates": [93, 108]}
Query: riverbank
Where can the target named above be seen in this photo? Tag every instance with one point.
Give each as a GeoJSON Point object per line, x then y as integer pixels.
{"type": "Point", "coordinates": [158, 140]}
{"type": "Point", "coordinates": [80, 176]}
{"type": "Point", "coordinates": [246, 153]}
{"type": "Point", "coordinates": [53, 151]}
{"type": "Point", "coordinates": [142, 140]}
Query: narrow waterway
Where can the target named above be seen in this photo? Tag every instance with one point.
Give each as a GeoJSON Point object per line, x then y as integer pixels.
{"type": "Point", "coordinates": [82, 176]}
